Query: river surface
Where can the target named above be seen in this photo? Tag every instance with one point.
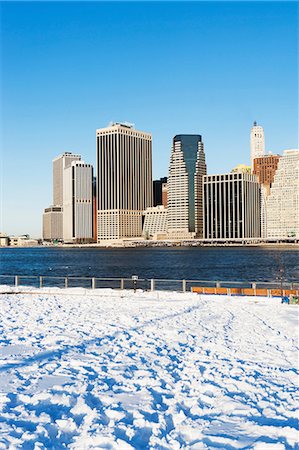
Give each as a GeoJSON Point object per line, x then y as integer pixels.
{"type": "Point", "coordinates": [191, 263]}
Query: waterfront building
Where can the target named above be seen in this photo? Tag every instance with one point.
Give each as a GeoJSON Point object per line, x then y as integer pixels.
{"type": "Point", "coordinates": [155, 222]}
{"type": "Point", "coordinates": [186, 170]}
{"type": "Point", "coordinates": [157, 191]}
{"type": "Point", "coordinates": [231, 206]}
{"type": "Point", "coordinates": [78, 202]}
{"type": "Point", "coordinates": [52, 227]}
{"type": "Point", "coordinates": [264, 205]}
{"type": "Point", "coordinates": [4, 240]}
{"type": "Point", "coordinates": [52, 223]}
{"type": "Point", "coordinates": [22, 241]}
{"type": "Point", "coordinates": [124, 180]}
{"type": "Point", "coordinates": [283, 201]}
{"type": "Point", "coordinates": [257, 142]}
{"type": "Point", "coordinates": [265, 168]}
{"type": "Point", "coordinates": [60, 163]}
{"type": "Point", "coordinates": [94, 209]}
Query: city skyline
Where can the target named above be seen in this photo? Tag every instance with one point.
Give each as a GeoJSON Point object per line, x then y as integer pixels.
{"type": "Point", "coordinates": [207, 68]}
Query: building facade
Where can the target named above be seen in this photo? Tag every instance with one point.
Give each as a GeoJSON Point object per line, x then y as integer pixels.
{"type": "Point", "coordinates": [257, 142]}
{"type": "Point", "coordinates": [186, 170]}
{"type": "Point", "coordinates": [231, 206]}
{"type": "Point", "coordinates": [78, 202]}
{"type": "Point", "coordinates": [158, 191]}
{"type": "Point", "coordinates": [60, 163]}
{"type": "Point", "coordinates": [124, 180]}
{"type": "Point", "coordinates": [94, 209]}
{"type": "Point", "coordinates": [283, 201]}
{"type": "Point", "coordinates": [155, 222]}
{"type": "Point", "coordinates": [52, 223]}
{"type": "Point", "coordinates": [4, 240]}
{"type": "Point", "coordinates": [22, 241]}
{"type": "Point", "coordinates": [52, 228]}
{"type": "Point", "coordinates": [164, 194]}
{"type": "Point", "coordinates": [265, 168]}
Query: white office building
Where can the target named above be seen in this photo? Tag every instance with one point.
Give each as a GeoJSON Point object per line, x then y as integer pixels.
{"type": "Point", "coordinates": [257, 143]}
{"type": "Point", "coordinates": [155, 222]}
{"type": "Point", "coordinates": [283, 201]}
{"type": "Point", "coordinates": [78, 202]}
{"type": "Point", "coordinates": [4, 240]}
{"type": "Point", "coordinates": [185, 181]}
{"type": "Point", "coordinates": [231, 206]}
{"type": "Point", "coordinates": [60, 163]}
{"type": "Point", "coordinates": [52, 223]}
{"type": "Point", "coordinates": [124, 181]}
{"type": "Point", "coordinates": [22, 241]}
{"type": "Point", "coordinates": [53, 215]}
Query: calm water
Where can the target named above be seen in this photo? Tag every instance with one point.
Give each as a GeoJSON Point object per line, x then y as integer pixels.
{"type": "Point", "coordinates": [226, 264]}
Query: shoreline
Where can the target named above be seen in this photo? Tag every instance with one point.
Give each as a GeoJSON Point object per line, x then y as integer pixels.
{"type": "Point", "coordinates": [164, 244]}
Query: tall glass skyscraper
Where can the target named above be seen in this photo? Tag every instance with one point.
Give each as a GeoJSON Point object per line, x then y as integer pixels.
{"type": "Point", "coordinates": [186, 170]}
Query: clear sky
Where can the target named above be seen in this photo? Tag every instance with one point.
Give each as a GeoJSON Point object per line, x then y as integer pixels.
{"type": "Point", "coordinates": [209, 68]}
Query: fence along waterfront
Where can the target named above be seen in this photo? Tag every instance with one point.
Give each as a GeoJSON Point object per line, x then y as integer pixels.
{"type": "Point", "coordinates": [268, 289]}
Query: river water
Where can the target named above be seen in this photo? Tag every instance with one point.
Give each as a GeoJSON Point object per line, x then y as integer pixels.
{"type": "Point", "coordinates": [193, 263]}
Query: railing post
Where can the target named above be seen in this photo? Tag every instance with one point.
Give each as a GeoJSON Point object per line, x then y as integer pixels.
{"type": "Point", "coordinates": [122, 284]}
{"type": "Point", "coordinates": [66, 282]}
{"type": "Point", "coordinates": [40, 282]}
{"type": "Point", "coordinates": [218, 285]}
{"type": "Point", "coordinates": [253, 285]}
{"type": "Point", "coordinates": [152, 285]}
{"type": "Point", "coordinates": [184, 285]}
{"type": "Point", "coordinates": [93, 283]}
{"type": "Point", "coordinates": [16, 280]}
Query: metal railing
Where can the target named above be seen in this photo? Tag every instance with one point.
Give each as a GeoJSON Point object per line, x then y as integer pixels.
{"type": "Point", "coordinates": [135, 282]}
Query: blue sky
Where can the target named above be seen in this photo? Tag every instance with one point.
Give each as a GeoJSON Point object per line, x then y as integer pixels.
{"type": "Point", "coordinates": [209, 68]}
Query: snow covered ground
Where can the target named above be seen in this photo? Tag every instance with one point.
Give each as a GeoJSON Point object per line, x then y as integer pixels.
{"type": "Point", "coordinates": [117, 370]}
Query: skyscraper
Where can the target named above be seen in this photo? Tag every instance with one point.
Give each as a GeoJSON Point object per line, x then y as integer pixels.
{"type": "Point", "coordinates": [124, 180]}
{"type": "Point", "coordinates": [60, 163]}
{"type": "Point", "coordinates": [257, 142]}
{"type": "Point", "coordinates": [231, 206]}
{"type": "Point", "coordinates": [70, 217]}
{"type": "Point", "coordinates": [283, 201]}
{"type": "Point", "coordinates": [186, 170]}
{"type": "Point", "coordinates": [53, 216]}
{"type": "Point", "coordinates": [265, 168]}
{"type": "Point", "coordinates": [78, 202]}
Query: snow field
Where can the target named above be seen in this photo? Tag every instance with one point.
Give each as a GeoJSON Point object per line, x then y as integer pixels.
{"type": "Point", "coordinates": [116, 370]}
